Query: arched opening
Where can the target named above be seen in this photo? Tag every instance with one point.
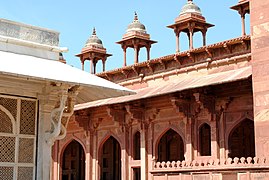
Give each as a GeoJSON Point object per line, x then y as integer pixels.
{"type": "Point", "coordinates": [241, 140]}
{"type": "Point", "coordinates": [170, 147]}
{"type": "Point", "coordinates": [205, 140]}
{"type": "Point", "coordinates": [73, 166]}
{"type": "Point", "coordinates": [136, 146]}
{"type": "Point", "coordinates": [111, 160]}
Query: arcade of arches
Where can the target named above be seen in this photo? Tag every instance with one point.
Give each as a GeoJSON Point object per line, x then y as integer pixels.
{"type": "Point", "coordinates": [130, 151]}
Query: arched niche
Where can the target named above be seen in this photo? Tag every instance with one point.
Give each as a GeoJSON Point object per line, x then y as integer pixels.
{"type": "Point", "coordinates": [110, 159]}
{"type": "Point", "coordinates": [241, 141]}
{"type": "Point", "coordinates": [205, 140]}
{"type": "Point", "coordinates": [73, 161]}
{"type": "Point", "coordinates": [170, 147]}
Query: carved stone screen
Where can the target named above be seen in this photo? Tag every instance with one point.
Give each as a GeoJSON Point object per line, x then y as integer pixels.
{"type": "Point", "coordinates": [18, 117]}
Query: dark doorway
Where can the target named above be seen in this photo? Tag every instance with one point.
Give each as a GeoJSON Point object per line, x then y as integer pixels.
{"type": "Point", "coordinates": [205, 140]}
{"type": "Point", "coordinates": [136, 146]}
{"type": "Point", "coordinates": [241, 140]}
{"type": "Point", "coordinates": [73, 167]}
{"type": "Point", "coordinates": [111, 160]}
{"type": "Point", "coordinates": [137, 173]}
{"type": "Point", "coordinates": [170, 147]}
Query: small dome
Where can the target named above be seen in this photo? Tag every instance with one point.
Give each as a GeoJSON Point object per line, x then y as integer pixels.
{"type": "Point", "coordinates": [94, 40]}
{"type": "Point", "coordinates": [190, 7]}
{"type": "Point", "coordinates": [136, 26]}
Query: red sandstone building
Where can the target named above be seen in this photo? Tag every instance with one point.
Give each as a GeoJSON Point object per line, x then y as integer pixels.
{"type": "Point", "coordinates": [197, 114]}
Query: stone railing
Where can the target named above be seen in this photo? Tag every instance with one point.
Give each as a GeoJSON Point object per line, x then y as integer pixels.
{"type": "Point", "coordinates": [213, 164]}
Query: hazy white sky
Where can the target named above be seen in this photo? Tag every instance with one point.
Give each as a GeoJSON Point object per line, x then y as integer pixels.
{"type": "Point", "coordinates": [75, 20]}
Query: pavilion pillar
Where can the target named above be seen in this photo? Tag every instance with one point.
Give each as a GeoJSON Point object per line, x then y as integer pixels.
{"type": "Point", "coordinates": [243, 23]}
{"type": "Point", "coordinates": [94, 65]}
{"type": "Point", "coordinates": [260, 76]}
{"type": "Point", "coordinates": [104, 64]}
{"type": "Point", "coordinates": [177, 40]}
{"type": "Point", "coordinates": [148, 52]}
{"type": "Point", "coordinates": [191, 28]}
{"type": "Point", "coordinates": [82, 64]}
{"type": "Point", "coordinates": [124, 56]}
{"type": "Point", "coordinates": [91, 66]}
{"type": "Point", "coordinates": [204, 36]}
{"type": "Point", "coordinates": [136, 54]}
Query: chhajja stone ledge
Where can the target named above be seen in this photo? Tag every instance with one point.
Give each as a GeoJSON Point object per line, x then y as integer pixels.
{"type": "Point", "coordinates": [213, 164]}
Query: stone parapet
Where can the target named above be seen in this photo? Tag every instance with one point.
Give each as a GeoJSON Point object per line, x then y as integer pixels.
{"type": "Point", "coordinates": [231, 164]}
{"type": "Point", "coordinates": [28, 33]}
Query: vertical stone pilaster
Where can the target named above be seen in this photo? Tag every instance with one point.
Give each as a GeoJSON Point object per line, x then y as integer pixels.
{"type": "Point", "coordinates": [189, 140]}
{"type": "Point", "coordinates": [214, 139]}
{"type": "Point", "coordinates": [143, 153]}
{"type": "Point", "coordinates": [259, 11]}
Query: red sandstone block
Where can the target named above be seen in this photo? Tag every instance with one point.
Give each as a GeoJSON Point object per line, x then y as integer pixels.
{"type": "Point", "coordinates": [258, 4]}
{"type": "Point", "coordinates": [262, 41]}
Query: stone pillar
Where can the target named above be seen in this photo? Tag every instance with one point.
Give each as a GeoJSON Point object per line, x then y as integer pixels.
{"type": "Point", "coordinates": [150, 149]}
{"type": "Point", "coordinates": [82, 65]}
{"type": "Point", "coordinates": [214, 139]}
{"type": "Point", "coordinates": [143, 152]}
{"type": "Point", "coordinates": [124, 155]}
{"type": "Point", "coordinates": [46, 104]}
{"type": "Point", "coordinates": [88, 157]}
{"type": "Point", "coordinates": [104, 64]}
{"type": "Point", "coordinates": [177, 40]}
{"type": "Point", "coordinates": [124, 56]}
{"type": "Point", "coordinates": [135, 54]}
{"type": "Point", "coordinates": [204, 36]}
{"type": "Point", "coordinates": [56, 161]}
{"type": "Point", "coordinates": [189, 146]}
{"type": "Point", "coordinates": [259, 11]}
{"type": "Point", "coordinates": [243, 24]}
{"type": "Point", "coordinates": [148, 52]}
{"type": "Point", "coordinates": [91, 66]}
{"type": "Point", "coordinates": [95, 169]}
{"type": "Point", "coordinates": [222, 136]}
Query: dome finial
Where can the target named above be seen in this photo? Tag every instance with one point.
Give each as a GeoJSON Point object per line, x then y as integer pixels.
{"type": "Point", "coordinates": [135, 17]}
{"type": "Point", "coordinates": [93, 31]}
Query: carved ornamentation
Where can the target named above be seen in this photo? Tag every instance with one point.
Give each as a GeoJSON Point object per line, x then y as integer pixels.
{"type": "Point", "coordinates": [61, 114]}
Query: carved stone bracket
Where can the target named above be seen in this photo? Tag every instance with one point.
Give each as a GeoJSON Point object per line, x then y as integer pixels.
{"type": "Point", "coordinates": [117, 114]}
{"type": "Point", "coordinates": [203, 101]}
{"type": "Point", "coordinates": [177, 59]}
{"type": "Point", "coordinates": [61, 114]}
{"type": "Point", "coordinates": [181, 105]}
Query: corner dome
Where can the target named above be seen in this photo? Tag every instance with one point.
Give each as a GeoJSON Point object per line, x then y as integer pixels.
{"type": "Point", "coordinates": [94, 40]}
{"type": "Point", "coordinates": [190, 7]}
{"type": "Point", "coordinates": [136, 26]}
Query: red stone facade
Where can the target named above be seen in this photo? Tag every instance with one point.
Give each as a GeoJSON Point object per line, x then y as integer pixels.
{"type": "Point", "coordinates": [197, 115]}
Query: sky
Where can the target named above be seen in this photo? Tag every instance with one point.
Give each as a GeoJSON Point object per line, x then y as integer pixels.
{"type": "Point", "coordinates": [76, 19]}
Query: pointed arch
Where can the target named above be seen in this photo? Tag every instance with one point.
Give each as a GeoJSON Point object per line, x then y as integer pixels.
{"type": "Point", "coordinates": [9, 122]}
{"type": "Point", "coordinates": [241, 141]}
{"type": "Point", "coordinates": [73, 161]}
{"type": "Point", "coordinates": [110, 159]}
{"type": "Point", "coordinates": [170, 147]}
{"type": "Point", "coordinates": [205, 140]}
